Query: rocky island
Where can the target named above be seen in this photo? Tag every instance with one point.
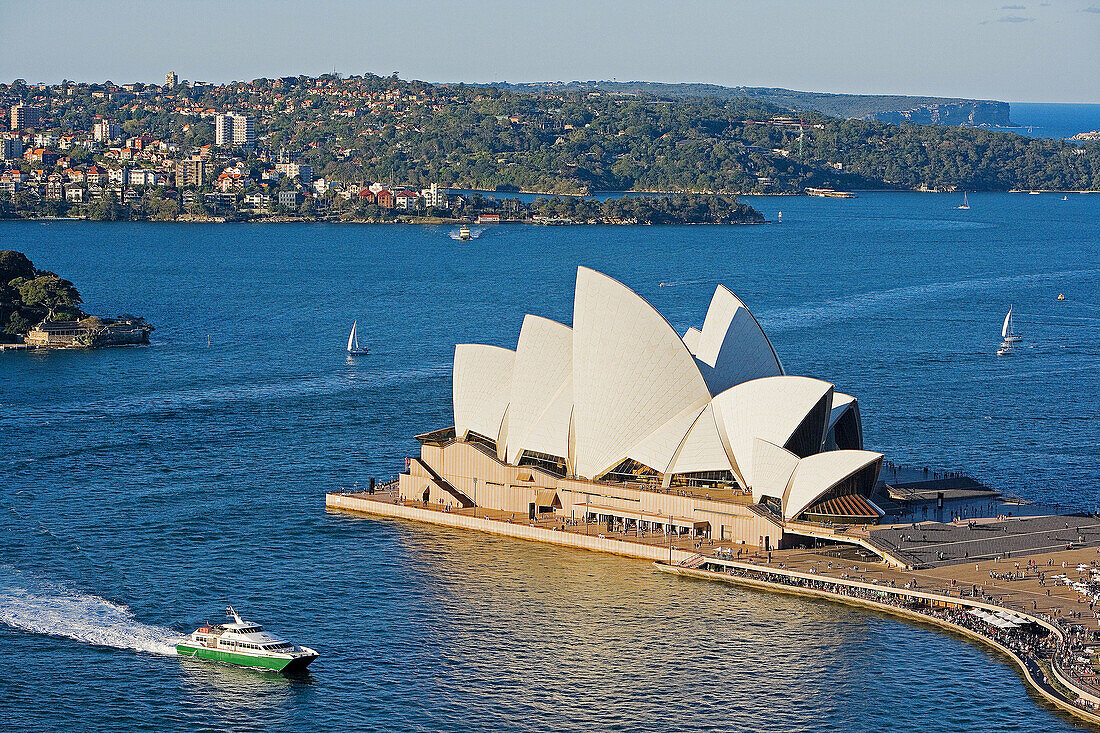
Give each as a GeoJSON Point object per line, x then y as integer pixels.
{"type": "Point", "coordinates": [39, 309]}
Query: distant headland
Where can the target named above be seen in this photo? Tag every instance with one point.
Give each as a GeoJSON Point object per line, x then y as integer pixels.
{"type": "Point", "coordinates": [39, 309]}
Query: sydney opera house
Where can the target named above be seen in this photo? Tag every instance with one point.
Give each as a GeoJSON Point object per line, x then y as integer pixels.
{"type": "Point", "coordinates": [621, 420]}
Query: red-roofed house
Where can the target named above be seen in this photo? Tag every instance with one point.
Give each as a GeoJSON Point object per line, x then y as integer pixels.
{"type": "Point", "coordinates": [405, 199]}
{"type": "Point", "coordinates": [95, 174]}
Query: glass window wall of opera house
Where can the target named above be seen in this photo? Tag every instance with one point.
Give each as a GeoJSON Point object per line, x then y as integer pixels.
{"type": "Point", "coordinates": [620, 419]}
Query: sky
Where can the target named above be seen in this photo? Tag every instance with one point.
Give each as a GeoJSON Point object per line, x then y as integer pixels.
{"type": "Point", "coordinates": [1014, 50]}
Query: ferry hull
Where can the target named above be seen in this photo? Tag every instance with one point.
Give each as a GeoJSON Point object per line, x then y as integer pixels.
{"type": "Point", "coordinates": [275, 664]}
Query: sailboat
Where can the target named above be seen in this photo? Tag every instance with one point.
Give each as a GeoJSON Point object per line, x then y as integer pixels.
{"type": "Point", "coordinates": [965, 204]}
{"type": "Point", "coordinates": [1007, 332]}
{"type": "Point", "coordinates": [353, 341]}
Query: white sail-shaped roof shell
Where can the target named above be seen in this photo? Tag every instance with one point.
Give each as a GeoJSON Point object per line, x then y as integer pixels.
{"type": "Point", "coordinates": [481, 389]}
{"type": "Point", "coordinates": [632, 373]}
{"type": "Point", "coordinates": [841, 404]}
{"type": "Point", "coordinates": [732, 348]}
{"type": "Point", "coordinates": [770, 409]}
{"type": "Point", "coordinates": [772, 467]}
{"type": "Point", "coordinates": [702, 448]}
{"type": "Point", "coordinates": [816, 474]}
{"type": "Point", "coordinates": [659, 447]}
{"type": "Point", "coordinates": [542, 389]}
{"type": "Point", "coordinates": [844, 404]}
{"type": "Point", "coordinates": [691, 339]}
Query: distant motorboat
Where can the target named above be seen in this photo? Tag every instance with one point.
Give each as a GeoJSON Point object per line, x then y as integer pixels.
{"type": "Point", "coordinates": [965, 204]}
{"type": "Point", "coordinates": [1061, 297]}
{"type": "Point", "coordinates": [1008, 332]}
{"type": "Point", "coordinates": [353, 341]}
{"type": "Point", "coordinates": [1034, 193]}
{"type": "Point", "coordinates": [1005, 349]}
{"type": "Point", "coordinates": [464, 233]}
{"type": "Point", "coordinates": [1065, 198]}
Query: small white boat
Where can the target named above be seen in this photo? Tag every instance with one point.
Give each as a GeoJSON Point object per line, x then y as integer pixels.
{"type": "Point", "coordinates": [353, 341]}
{"type": "Point", "coordinates": [1005, 349]}
{"type": "Point", "coordinates": [965, 205]}
{"type": "Point", "coordinates": [1008, 333]}
{"type": "Point", "coordinates": [464, 233]}
{"type": "Point", "coordinates": [1061, 296]}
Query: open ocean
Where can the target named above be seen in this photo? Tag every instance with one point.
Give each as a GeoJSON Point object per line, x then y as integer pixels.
{"type": "Point", "coordinates": [1039, 119]}
{"type": "Point", "coordinates": [144, 489]}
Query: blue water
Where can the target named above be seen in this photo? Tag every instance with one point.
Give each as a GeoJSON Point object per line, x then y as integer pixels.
{"type": "Point", "coordinates": [145, 488]}
{"type": "Point", "coordinates": [1054, 120]}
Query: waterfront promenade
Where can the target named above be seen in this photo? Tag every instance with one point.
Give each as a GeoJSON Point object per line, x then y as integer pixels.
{"type": "Point", "coordinates": [1054, 651]}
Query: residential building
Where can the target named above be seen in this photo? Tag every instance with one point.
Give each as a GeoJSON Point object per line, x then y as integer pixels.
{"type": "Point", "coordinates": [171, 80]}
{"type": "Point", "coordinates": [193, 171]}
{"type": "Point", "coordinates": [244, 130]}
{"type": "Point", "coordinates": [119, 176]}
{"type": "Point", "coordinates": [8, 187]}
{"type": "Point", "coordinates": [145, 177]}
{"type": "Point", "coordinates": [74, 194]}
{"type": "Point", "coordinates": [434, 198]}
{"type": "Point", "coordinates": [11, 148]}
{"type": "Point", "coordinates": [96, 175]}
{"type": "Point", "coordinates": [223, 130]}
{"type": "Point", "coordinates": [383, 198]}
{"type": "Point", "coordinates": [24, 116]}
{"type": "Point", "coordinates": [405, 200]}
{"type": "Point", "coordinates": [257, 201]}
{"type": "Point", "coordinates": [301, 171]}
{"type": "Point", "coordinates": [290, 199]}
{"type": "Point", "coordinates": [220, 201]}
{"type": "Point", "coordinates": [55, 187]}
{"type": "Point", "coordinates": [104, 130]}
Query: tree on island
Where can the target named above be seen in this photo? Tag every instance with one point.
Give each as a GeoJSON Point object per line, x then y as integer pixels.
{"type": "Point", "coordinates": [29, 295]}
{"type": "Point", "coordinates": [50, 292]}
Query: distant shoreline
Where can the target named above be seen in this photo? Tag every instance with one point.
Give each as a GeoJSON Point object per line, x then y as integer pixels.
{"type": "Point", "coordinates": [416, 221]}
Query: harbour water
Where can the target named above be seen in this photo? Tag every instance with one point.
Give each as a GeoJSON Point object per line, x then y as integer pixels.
{"type": "Point", "coordinates": [146, 488]}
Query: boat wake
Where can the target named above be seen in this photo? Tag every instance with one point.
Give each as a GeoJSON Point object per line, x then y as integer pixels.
{"type": "Point", "coordinates": [80, 616]}
{"type": "Point", "coordinates": [812, 315]}
{"type": "Point", "coordinates": [474, 234]}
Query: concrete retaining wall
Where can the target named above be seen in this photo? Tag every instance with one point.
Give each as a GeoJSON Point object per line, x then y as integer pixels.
{"type": "Point", "coordinates": [610, 545]}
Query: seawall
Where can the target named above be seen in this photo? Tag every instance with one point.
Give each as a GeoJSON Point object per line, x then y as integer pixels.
{"type": "Point", "coordinates": [594, 543]}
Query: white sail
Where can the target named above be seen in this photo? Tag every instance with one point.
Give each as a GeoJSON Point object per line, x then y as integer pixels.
{"type": "Point", "coordinates": [353, 341]}
{"type": "Point", "coordinates": [1006, 329]}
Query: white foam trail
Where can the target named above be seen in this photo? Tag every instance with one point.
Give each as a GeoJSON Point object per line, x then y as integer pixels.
{"type": "Point", "coordinates": [474, 234]}
{"type": "Point", "coordinates": [82, 617]}
{"type": "Point", "coordinates": [813, 314]}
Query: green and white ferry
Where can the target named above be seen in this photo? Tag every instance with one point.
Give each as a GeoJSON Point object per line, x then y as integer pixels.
{"type": "Point", "coordinates": [245, 644]}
